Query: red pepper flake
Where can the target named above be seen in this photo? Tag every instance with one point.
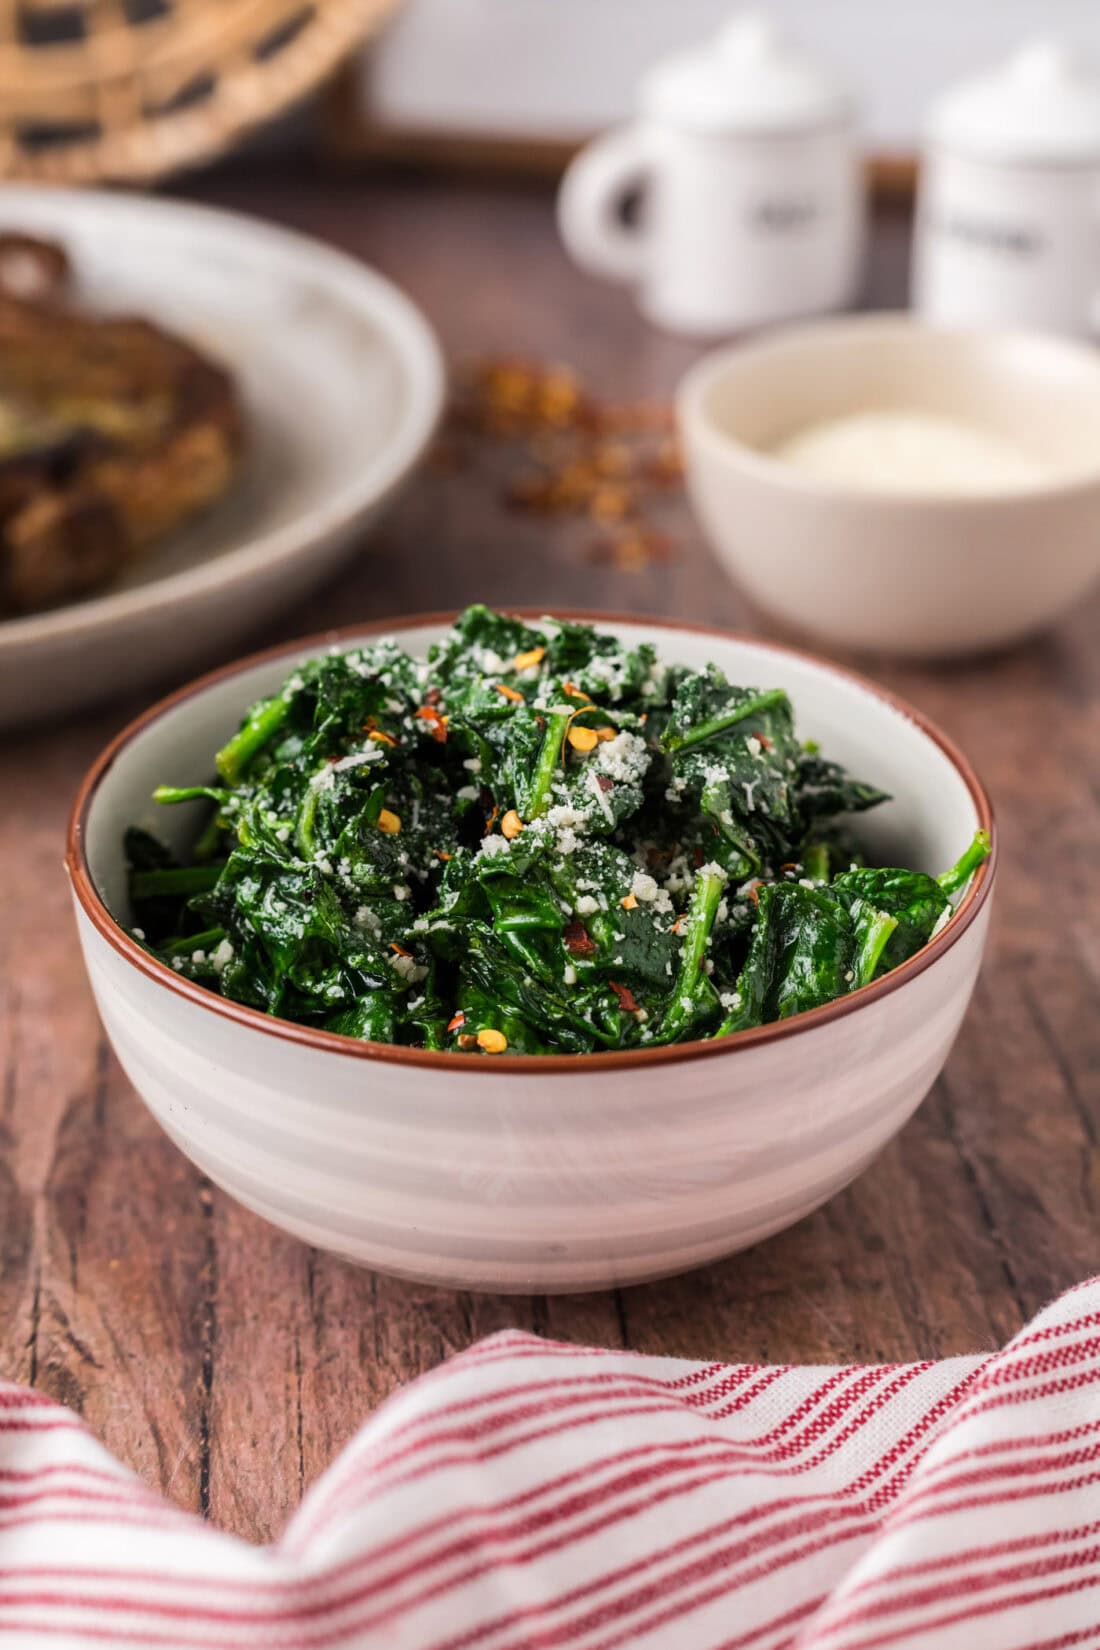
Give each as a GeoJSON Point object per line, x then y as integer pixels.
{"type": "Point", "coordinates": [604, 783]}
{"type": "Point", "coordinates": [578, 941]}
{"type": "Point", "coordinates": [459, 1020]}
{"type": "Point", "coordinates": [617, 464]}
{"type": "Point", "coordinates": [532, 492]}
{"type": "Point", "coordinates": [492, 819]}
{"type": "Point", "coordinates": [753, 893]}
{"type": "Point", "coordinates": [763, 739]}
{"type": "Point", "coordinates": [626, 998]}
{"type": "Point", "coordinates": [610, 503]}
{"type": "Point", "coordinates": [400, 949]}
{"type": "Point", "coordinates": [373, 731]}
{"type": "Point", "coordinates": [666, 467]}
{"type": "Point", "coordinates": [633, 548]}
{"type": "Point", "coordinates": [441, 853]}
{"type": "Point", "coordinates": [467, 1040]}
{"type": "Point", "coordinates": [436, 722]}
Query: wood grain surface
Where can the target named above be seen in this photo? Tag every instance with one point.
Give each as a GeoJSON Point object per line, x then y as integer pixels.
{"type": "Point", "coordinates": [228, 1363]}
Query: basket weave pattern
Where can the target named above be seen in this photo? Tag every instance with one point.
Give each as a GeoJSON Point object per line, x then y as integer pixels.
{"type": "Point", "coordinates": [132, 89]}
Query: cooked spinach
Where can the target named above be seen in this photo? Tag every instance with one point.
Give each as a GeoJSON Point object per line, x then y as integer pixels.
{"type": "Point", "coordinates": [536, 839]}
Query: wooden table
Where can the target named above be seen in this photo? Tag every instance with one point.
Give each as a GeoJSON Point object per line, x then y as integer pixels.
{"type": "Point", "coordinates": [228, 1363]}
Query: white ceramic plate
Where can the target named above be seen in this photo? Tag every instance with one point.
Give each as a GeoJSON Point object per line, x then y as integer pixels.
{"type": "Point", "coordinates": [342, 381]}
{"type": "Point", "coordinates": [536, 1172]}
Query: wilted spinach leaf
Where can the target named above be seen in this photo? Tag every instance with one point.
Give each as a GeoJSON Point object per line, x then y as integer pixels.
{"type": "Point", "coordinates": [538, 839]}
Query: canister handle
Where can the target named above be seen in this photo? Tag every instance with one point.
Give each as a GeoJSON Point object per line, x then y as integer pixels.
{"type": "Point", "coordinates": [590, 203]}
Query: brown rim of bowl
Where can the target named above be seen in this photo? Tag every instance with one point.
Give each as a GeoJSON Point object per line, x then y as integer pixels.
{"type": "Point", "coordinates": [442, 1059]}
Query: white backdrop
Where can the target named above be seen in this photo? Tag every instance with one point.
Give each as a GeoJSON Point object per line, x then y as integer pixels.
{"type": "Point", "coordinates": [562, 68]}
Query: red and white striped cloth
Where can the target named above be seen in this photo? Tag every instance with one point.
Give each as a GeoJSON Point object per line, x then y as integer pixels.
{"type": "Point", "coordinates": [533, 1494]}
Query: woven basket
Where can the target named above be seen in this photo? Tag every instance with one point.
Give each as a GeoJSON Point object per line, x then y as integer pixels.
{"type": "Point", "coordinates": [128, 90]}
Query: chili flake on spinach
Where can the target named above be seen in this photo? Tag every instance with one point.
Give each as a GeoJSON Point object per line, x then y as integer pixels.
{"type": "Point", "coordinates": [538, 840]}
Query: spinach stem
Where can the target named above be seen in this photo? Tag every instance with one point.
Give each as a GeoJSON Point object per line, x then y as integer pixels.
{"type": "Point", "coordinates": [188, 879]}
{"type": "Point", "coordinates": [959, 875]}
{"type": "Point", "coordinates": [190, 793]}
{"type": "Point", "coordinates": [705, 899]}
{"type": "Point", "coordinates": [718, 724]}
{"type": "Point", "coordinates": [539, 791]}
{"type": "Point", "coordinates": [815, 861]}
{"type": "Point", "coordinates": [306, 820]}
{"type": "Point", "coordinates": [264, 721]}
{"type": "Point", "coordinates": [873, 935]}
{"type": "Point", "coordinates": [699, 921]}
{"type": "Point", "coordinates": [206, 843]}
{"type": "Point", "coordinates": [208, 940]}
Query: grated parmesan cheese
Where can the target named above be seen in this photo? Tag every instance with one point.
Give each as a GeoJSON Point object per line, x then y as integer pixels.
{"type": "Point", "coordinates": [624, 758]}
{"type": "Point", "coordinates": [357, 759]}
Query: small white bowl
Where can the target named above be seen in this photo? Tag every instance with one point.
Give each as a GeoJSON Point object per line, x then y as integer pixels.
{"type": "Point", "coordinates": [904, 573]}
{"type": "Point", "coordinates": [544, 1172]}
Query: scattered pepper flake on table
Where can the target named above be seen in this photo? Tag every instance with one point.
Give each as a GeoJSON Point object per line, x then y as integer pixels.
{"type": "Point", "coordinates": [612, 463]}
{"type": "Point", "coordinates": [633, 549]}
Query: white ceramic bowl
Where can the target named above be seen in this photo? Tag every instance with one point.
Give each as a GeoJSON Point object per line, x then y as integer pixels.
{"type": "Point", "coordinates": [342, 383]}
{"type": "Point", "coordinates": [910, 574]}
{"type": "Point", "coordinates": [546, 1172]}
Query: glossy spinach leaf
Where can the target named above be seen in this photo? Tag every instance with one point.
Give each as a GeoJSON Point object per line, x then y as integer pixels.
{"type": "Point", "coordinates": [537, 839]}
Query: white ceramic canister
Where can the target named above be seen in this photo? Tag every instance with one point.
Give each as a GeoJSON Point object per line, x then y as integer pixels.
{"type": "Point", "coordinates": [746, 161]}
{"type": "Point", "coordinates": [1008, 214]}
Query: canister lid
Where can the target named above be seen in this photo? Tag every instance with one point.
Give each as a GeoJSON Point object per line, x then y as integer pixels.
{"type": "Point", "coordinates": [1042, 104]}
{"type": "Point", "coordinates": [748, 79]}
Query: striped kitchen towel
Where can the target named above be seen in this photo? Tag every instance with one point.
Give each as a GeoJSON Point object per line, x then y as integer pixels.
{"type": "Point", "coordinates": [529, 1494]}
